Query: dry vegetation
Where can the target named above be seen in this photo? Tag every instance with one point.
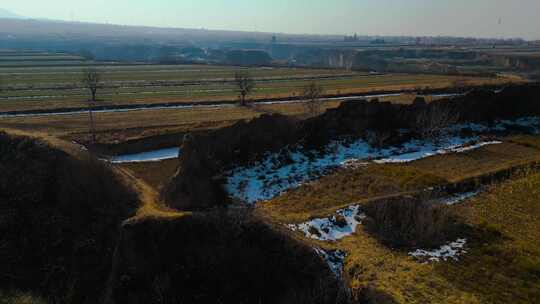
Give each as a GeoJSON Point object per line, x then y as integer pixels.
{"type": "Point", "coordinates": [502, 224]}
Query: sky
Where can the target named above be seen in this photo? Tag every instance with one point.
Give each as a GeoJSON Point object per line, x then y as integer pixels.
{"type": "Point", "coordinates": [465, 18]}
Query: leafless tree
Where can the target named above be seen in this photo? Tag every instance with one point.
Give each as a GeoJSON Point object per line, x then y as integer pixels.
{"type": "Point", "coordinates": [433, 120]}
{"type": "Point", "coordinates": [245, 85]}
{"type": "Point", "coordinates": [91, 80]}
{"type": "Point", "coordinates": [312, 93]}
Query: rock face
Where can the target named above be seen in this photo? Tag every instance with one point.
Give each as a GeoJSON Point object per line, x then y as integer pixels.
{"type": "Point", "coordinates": [216, 257]}
{"type": "Point", "coordinates": [59, 217]}
{"type": "Point", "coordinates": [197, 184]}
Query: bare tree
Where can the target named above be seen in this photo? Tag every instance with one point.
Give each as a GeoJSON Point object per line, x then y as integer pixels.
{"type": "Point", "coordinates": [245, 85]}
{"type": "Point", "coordinates": [312, 93]}
{"type": "Point", "coordinates": [91, 80]}
{"type": "Point", "coordinates": [433, 120]}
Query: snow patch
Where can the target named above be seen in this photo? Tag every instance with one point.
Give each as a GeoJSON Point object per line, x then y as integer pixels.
{"type": "Point", "coordinates": [458, 198]}
{"type": "Point", "coordinates": [333, 228]}
{"type": "Point", "coordinates": [293, 166]}
{"type": "Point", "coordinates": [289, 169]}
{"type": "Point", "coordinates": [449, 251]}
{"type": "Point", "coordinates": [430, 150]}
{"type": "Point", "coordinates": [335, 259]}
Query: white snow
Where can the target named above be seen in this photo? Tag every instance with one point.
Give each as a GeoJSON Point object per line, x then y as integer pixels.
{"type": "Point", "coordinates": [334, 259]}
{"type": "Point", "coordinates": [290, 168]}
{"type": "Point", "coordinates": [150, 156]}
{"type": "Point", "coordinates": [272, 176]}
{"type": "Point", "coordinates": [449, 251]}
{"type": "Point", "coordinates": [330, 229]}
{"type": "Point", "coordinates": [458, 198]}
{"type": "Point", "coordinates": [456, 145]}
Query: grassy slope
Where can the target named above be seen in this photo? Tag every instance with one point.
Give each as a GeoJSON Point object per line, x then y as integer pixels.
{"type": "Point", "coordinates": [347, 186]}
{"type": "Point", "coordinates": [456, 167]}
{"type": "Point", "coordinates": [505, 270]}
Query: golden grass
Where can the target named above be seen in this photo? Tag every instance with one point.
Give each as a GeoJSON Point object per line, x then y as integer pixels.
{"type": "Point", "coordinates": [151, 204]}
{"type": "Point", "coordinates": [155, 174]}
{"type": "Point", "coordinates": [506, 271]}
{"type": "Point", "coordinates": [137, 124]}
{"type": "Point", "coordinates": [324, 196]}
{"type": "Point", "coordinates": [458, 166]}
{"type": "Point", "coordinates": [496, 270]}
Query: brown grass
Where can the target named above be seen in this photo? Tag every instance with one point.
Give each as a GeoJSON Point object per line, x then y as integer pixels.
{"type": "Point", "coordinates": [335, 191]}
{"type": "Point", "coordinates": [459, 166]}
{"type": "Point", "coordinates": [496, 270]}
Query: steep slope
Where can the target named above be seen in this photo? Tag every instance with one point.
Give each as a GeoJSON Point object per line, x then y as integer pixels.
{"type": "Point", "coordinates": [60, 213]}
{"type": "Point", "coordinates": [216, 257]}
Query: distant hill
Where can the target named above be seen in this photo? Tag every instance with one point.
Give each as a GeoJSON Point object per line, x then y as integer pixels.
{"type": "Point", "coordinates": [9, 15]}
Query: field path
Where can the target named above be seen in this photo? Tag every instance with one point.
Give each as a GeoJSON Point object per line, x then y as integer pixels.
{"type": "Point", "coordinates": [151, 204]}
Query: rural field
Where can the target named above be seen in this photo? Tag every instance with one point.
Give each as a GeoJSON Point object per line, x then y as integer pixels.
{"type": "Point", "coordinates": [340, 170]}
{"type": "Point", "coordinates": [41, 81]}
{"type": "Point", "coordinates": [52, 81]}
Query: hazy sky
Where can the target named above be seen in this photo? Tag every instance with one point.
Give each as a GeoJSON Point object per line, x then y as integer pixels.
{"type": "Point", "coordinates": [370, 17]}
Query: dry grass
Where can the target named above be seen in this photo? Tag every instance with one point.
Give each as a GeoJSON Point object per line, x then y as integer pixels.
{"type": "Point", "coordinates": [131, 94]}
{"type": "Point", "coordinates": [335, 191]}
{"type": "Point", "coordinates": [155, 174]}
{"type": "Point", "coordinates": [137, 124]}
{"type": "Point", "coordinates": [506, 271]}
{"type": "Point", "coordinates": [496, 270]}
{"type": "Point", "coordinates": [459, 166]}
{"type": "Point", "coordinates": [151, 204]}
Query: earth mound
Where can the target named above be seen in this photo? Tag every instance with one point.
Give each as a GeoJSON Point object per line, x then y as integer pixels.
{"type": "Point", "coordinates": [60, 213]}
{"type": "Point", "coordinates": [216, 257]}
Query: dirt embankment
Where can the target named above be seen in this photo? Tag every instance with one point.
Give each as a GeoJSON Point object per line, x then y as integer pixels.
{"type": "Point", "coordinates": [216, 257]}
{"type": "Point", "coordinates": [73, 231]}
{"type": "Point", "coordinates": [198, 182]}
{"type": "Point", "coordinates": [60, 214]}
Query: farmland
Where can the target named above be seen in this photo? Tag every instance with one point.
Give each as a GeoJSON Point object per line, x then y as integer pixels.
{"type": "Point", "coordinates": [49, 81]}
{"type": "Point", "coordinates": [306, 189]}
{"type": "Point", "coordinates": [35, 80]}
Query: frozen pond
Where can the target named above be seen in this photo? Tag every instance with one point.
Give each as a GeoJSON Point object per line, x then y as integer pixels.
{"type": "Point", "coordinates": [151, 156]}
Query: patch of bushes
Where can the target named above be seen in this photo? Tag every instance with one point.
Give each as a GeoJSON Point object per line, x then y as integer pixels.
{"type": "Point", "coordinates": [411, 222]}
{"type": "Point", "coordinates": [59, 220]}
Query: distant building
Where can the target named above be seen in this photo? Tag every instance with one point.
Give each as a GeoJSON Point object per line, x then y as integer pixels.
{"type": "Point", "coordinates": [351, 38]}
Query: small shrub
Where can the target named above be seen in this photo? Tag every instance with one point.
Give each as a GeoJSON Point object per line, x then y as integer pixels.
{"type": "Point", "coordinates": [412, 222]}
